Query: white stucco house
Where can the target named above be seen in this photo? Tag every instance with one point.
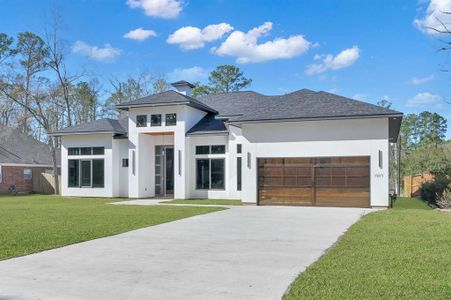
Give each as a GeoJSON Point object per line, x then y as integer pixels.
{"type": "Point", "coordinates": [301, 148]}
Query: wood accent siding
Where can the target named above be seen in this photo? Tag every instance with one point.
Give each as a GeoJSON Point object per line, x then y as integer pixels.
{"type": "Point", "coordinates": [321, 181]}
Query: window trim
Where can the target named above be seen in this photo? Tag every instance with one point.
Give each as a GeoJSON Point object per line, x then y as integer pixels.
{"type": "Point", "coordinates": [209, 174]}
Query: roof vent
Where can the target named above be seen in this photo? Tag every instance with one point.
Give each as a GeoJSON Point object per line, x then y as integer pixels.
{"type": "Point", "coordinates": [183, 87]}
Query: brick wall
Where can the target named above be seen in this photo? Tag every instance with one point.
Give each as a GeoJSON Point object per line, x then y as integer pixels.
{"type": "Point", "coordinates": [15, 175]}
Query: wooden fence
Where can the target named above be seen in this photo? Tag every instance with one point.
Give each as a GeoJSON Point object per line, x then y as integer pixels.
{"type": "Point", "coordinates": [43, 183]}
{"type": "Point", "coordinates": [412, 184]}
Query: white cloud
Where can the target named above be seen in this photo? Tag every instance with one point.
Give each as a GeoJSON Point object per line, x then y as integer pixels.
{"type": "Point", "coordinates": [245, 48]}
{"type": "Point", "coordinates": [139, 34]}
{"type": "Point", "coordinates": [418, 81]}
{"type": "Point", "coordinates": [424, 99]}
{"type": "Point", "coordinates": [359, 96]}
{"type": "Point", "coordinates": [166, 9]}
{"type": "Point", "coordinates": [342, 60]}
{"type": "Point", "coordinates": [190, 74]}
{"type": "Point", "coordinates": [190, 37]}
{"type": "Point", "coordinates": [435, 17]}
{"type": "Point", "coordinates": [105, 54]}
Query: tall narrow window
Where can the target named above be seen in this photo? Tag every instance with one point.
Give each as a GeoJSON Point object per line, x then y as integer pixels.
{"type": "Point", "coordinates": [180, 162]}
{"type": "Point", "coordinates": [171, 119]}
{"type": "Point", "coordinates": [238, 148]}
{"type": "Point", "coordinates": [125, 163]}
{"type": "Point", "coordinates": [98, 173]}
{"type": "Point", "coordinates": [133, 162]}
{"type": "Point", "coordinates": [155, 120]}
{"type": "Point", "coordinates": [141, 121]}
{"type": "Point", "coordinates": [380, 159]}
{"type": "Point", "coordinates": [1, 174]}
{"type": "Point", "coordinates": [203, 174]}
{"type": "Point", "coordinates": [85, 173]}
{"type": "Point", "coordinates": [74, 173]}
{"type": "Point", "coordinates": [248, 160]}
{"type": "Point", "coordinates": [238, 173]}
{"type": "Point", "coordinates": [217, 174]}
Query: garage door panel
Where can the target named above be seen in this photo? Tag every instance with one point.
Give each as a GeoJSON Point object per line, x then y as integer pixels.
{"type": "Point", "coordinates": [287, 196]}
{"type": "Point", "coordinates": [324, 181]}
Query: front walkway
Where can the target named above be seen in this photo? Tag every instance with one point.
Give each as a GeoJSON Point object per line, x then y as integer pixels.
{"type": "Point", "coordinates": [246, 252]}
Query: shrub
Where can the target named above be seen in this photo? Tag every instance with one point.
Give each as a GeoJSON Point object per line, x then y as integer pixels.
{"type": "Point", "coordinates": [444, 200]}
{"type": "Point", "coordinates": [430, 190]}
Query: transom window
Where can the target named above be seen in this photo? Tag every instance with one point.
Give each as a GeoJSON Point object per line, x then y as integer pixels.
{"type": "Point", "coordinates": [155, 120]}
{"type": "Point", "coordinates": [141, 121]}
{"type": "Point", "coordinates": [171, 119]}
{"type": "Point", "coordinates": [86, 151]}
{"type": "Point", "coordinates": [214, 149]}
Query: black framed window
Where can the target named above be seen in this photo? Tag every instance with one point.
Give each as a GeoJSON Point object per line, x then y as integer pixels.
{"type": "Point", "coordinates": [239, 148]}
{"type": "Point", "coordinates": [238, 173]}
{"type": "Point", "coordinates": [125, 162]}
{"type": "Point", "coordinates": [155, 120]}
{"type": "Point", "coordinates": [217, 174]}
{"type": "Point", "coordinates": [73, 151]}
{"type": "Point", "coordinates": [218, 149]}
{"type": "Point", "coordinates": [85, 173]}
{"type": "Point", "coordinates": [203, 174]}
{"type": "Point", "coordinates": [202, 149]}
{"type": "Point", "coordinates": [98, 173]}
{"type": "Point", "coordinates": [171, 119]}
{"type": "Point", "coordinates": [98, 150]}
{"type": "Point", "coordinates": [85, 151]}
{"type": "Point", "coordinates": [141, 121]}
{"type": "Point", "coordinates": [74, 173]}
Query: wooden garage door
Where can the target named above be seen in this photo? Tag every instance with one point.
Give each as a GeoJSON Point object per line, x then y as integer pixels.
{"type": "Point", "coordinates": [325, 181]}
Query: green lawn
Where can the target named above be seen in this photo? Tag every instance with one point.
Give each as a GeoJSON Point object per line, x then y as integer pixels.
{"type": "Point", "coordinates": [205, 202]}
{"type": "Point", "coordinates": [401, 253]}
{"type": "Point", "coordinates": [34, 223]}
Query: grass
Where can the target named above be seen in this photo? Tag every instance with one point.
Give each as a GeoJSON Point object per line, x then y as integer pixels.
{"type": "Point", "coordinates": [401, 253]}
{"type": "Point", "coordinates": [34, 223]}
{"type": "Point", "coordinates": [205, 202]}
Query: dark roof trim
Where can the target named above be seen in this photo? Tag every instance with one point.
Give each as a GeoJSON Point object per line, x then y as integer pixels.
{"type": "Point", "coordinates": [81, 133]}
{"type": "Point", "coordinates": [316, 118]}
{"type": "Point", "coordinates": [212, 132]}
{"type": "Point", "coordinates": [195, 105]}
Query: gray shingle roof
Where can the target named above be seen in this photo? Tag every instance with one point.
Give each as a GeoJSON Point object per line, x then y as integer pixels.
{"type": "Point", "coordinates": [101, 125]}
{"type": "Point", "coordinates": [302, 104]}
{"type": "Point", "coordinates": [20, 148]}
{"type": "Point", "coordinates": [208, 124]}
{"type": "Point", "coordinates": [168, 97]}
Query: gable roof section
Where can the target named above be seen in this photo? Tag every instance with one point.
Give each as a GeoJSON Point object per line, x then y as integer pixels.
{"type": "Point", "coordinates": [208, 124]}
{"type": "Point", "coordinates": [303, 104]}
{"type": "Point", "coordinates": [98, 126]}
{"type": "Point", "coordinates": [20, 148]}
{"type": "Point", "coordinates": [166, 98]}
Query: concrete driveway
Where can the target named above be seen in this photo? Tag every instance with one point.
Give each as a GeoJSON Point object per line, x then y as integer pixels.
{"type": "Point", "coordinates": [241, 253]}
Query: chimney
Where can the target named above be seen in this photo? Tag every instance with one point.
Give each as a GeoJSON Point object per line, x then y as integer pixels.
{"type": "Point", "coordinates": [183, 87]}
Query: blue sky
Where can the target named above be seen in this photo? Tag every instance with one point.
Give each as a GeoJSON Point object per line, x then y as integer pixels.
{"type": "Point", "coordinates": [367, 50]}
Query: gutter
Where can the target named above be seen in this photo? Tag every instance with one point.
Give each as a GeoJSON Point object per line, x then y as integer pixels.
{"type": "Point", "coordinates": [224, 132]}
{"type": "Point", "coordinates": [83, 133]}
{"type": "Point", "coordinates": [400, 115]}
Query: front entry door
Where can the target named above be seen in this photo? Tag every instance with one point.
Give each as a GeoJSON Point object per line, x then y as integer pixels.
{"type": "Point", "coordinates": [164, 171]}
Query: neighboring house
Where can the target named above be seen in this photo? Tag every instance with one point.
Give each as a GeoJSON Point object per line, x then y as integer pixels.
{"type": "Point", "coordinates": [21, 158]}
{"type": "Point", "coordinates": [301, 148]}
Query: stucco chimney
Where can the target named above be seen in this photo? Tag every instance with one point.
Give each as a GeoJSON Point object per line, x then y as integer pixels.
{"type": "Point", "coordinates": [183, 87]}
